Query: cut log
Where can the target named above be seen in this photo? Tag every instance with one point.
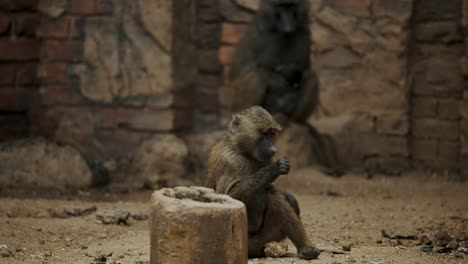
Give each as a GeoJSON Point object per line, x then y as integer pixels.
{"type": "Point", "coordinates": [191, 225]}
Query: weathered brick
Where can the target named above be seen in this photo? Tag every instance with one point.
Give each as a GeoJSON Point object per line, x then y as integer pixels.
{"type": "Point", "coordinates": [463, 108]}
{"type": "Point", "coordinates": [59, 94]}
{"type": "Point", "coordinates": [26, 24]}
{"type": "Point", "coordinates": [435, 129]}
{"type": "Point", "coordinates": [424, 149]}
{"type": "Point", "coordinates": [393, 8]}
{"type": "Point", "coordinates": [233, 13]}
{"type": "Point", "coordinates": [208, 83]}
{"type": "Point", "coordinates": [208, 61]}
{"type": "Point", "coordinates": [373, 144]}
{"type": "Point", "coordinates": [209, 13]}
{"type": "Point", "coordinates": [232, 33]}
{"type": "Point", "coordinates": [14, 126]}
{"type": "Point", "coordinates": [120, 141]}
{"type": "Point", "coordinates": [90, 7]}
{"type": "Point", "coordinates": [26, 74]}
{"type": "Point", "coordinates": [53, 72]}
{"type": "Point", "coordinates": [438, 164]}
{"type": "Point", "coordinates": [464, 127]}
{"type": "Point", "coordinates": [138, 119]}
{"type": "Point", "coordinates": [392, 125]}
{"type": "Point", "coordinates": [464, 65]}
{"type": "Point", "coordinates": [5, 22]}
{"type": "Point", "coordinates": [15, 99]}
{"type": "Point", "coordinates": [61, 50]}
{"type": "Point", "coordinates": [208, 36]}
{"type": "Point", "coordinates": [225, 54]}
{"type": "Point", "coordinates": [424, 107]}
{"type": "Point", "coordinates": [439, 31]}
{"type": "Point", "coordinates": [61, 28]}
{"type": "Point", "coordinates": [435, 9]}
{"type": "Point", "coordinates": [448, 109]}
{"type": "Point", "coordinates": [20, 49]}
{"type": "Point", "coordinates": [352, 7]}
{"type": "Point", "coordinates": [18, 5]}
{"type": "Point", "coordinates": [449, 149]}
{"type": "Point", "coordinates": [8, 74]}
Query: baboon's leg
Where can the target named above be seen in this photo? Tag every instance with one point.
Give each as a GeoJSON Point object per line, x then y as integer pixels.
{"type": "Point", "coordinates": [290, 224]}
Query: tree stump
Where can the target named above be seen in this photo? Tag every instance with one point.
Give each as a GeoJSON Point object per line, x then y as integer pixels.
{"type": "Point", "coordinates": [196, 225]}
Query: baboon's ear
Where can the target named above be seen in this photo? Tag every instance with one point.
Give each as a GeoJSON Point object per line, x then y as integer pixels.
{"type": "Point", "coordinates": [235, 123]}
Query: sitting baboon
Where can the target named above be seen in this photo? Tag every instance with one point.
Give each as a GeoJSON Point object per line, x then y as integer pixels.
{"type": "Point", "coordinates": [241, 166]}
{"type": "Point", "coordinates": [271, 68]}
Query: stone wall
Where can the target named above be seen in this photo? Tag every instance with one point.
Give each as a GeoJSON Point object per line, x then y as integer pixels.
{"type": "Point", "coordinates": [437, 84]}
{"type": "Point", "coordinates": [19, 54]}
{"type": "Point", "coordinates": [110, 72]}
{"type": "Point", "coordinates": [463, 105]}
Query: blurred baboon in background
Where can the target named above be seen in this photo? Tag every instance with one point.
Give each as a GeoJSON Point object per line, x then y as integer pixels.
{"type": "Point", "coordinates": [271, 68]}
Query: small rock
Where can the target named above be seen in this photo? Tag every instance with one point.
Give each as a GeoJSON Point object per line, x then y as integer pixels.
{"type": "Point", "coordinates": [140, 217]}
{"type": "Point", "coordinates": [276, 249]}
{"type": "Point", "coordinates": [378, 241]}
{"type": "Point", "coordinates": [347, 247]}
{"type": "Point", "coordinates": [453, 244]}
{"type": "Point", "coordinates": [115, 216]}
{"type": "Point", "coordinates": [442, 238]}
{"type": "Point", "coordinates": [426, 248]}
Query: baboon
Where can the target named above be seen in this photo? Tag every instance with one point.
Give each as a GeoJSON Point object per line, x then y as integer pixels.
{"type": "Point", "coordinates": [241, 165]}
{"type": "Point", "coordinates": [271, 68]}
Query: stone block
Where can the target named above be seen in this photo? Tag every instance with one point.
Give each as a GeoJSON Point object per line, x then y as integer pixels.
{"type": "Point", "coordinates": [389, 124]}
{"type": "Point", "coordinates": [26, 74]}
{"type": "Point", "coordinates": [373, 144]}
{"type": "Point", "coordinates": [18, 5]}
{"type": "Point", "coordinates": [249, 4]}
{"type": "Point", "coordinates": [19, 49]}
{"type": "Point", "coordinates": [15, 99]}
{"type": "Point", "coordinates": [90, 7]}
{"type": "Point", "coordinates": [197, 220]}
{"type": "Point", "coordinates": [424, 149]}
{"type": "Point", "coordinates": [60, 28]}
{"type": "Point", "coordinates": [232, 13]}
{"type": "Point", "coordinates": [448, 109]}
{"type": "Point", "coordinates": [424, 107]}
{"type": "Point", "coordinates": [5, 22]}
{"type": "Point", "coordinates": [449, 150]}
{"type": "Point", "coordinates": [435, 129]}
{"type": "Point", "coordinates": [208, 61]}
{"type": "Point", "coordinates": [352, 7]}
{"type": "Point", "coordinates": [435, 10]}
{"type": "Point", "coordinates": [61, 50]}
{"type": "Point", "coordinates": [53, 73]}
{"type": "Point", "coordinates": [399, 9]}
{"type": "Point", "coordinates": [339, 57]}
{"type": "Point", "coordinates": [225, 54]}
{"type": "Point", "coordinates": [8, 73]}
{"type": "Point", "coordinates": [26, 24]}
{"type": "Point", "coordinates": [232, 33]}
{"type": "Point", "coordinates": [38, 163]}
{"type": "Point", "coordinates": [52, 8]}
{"type": "Point", "coordinates": [59, 94]}
{"type": "Point", "coordinates": [445, 32]}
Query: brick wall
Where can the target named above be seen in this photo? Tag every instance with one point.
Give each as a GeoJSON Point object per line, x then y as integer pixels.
{"type": "Point", "coordinates": [437, 84]}
{"type": "Point", "coordinates": [110, 73]}
{"type": "Point", "coordinates": [19, 54]}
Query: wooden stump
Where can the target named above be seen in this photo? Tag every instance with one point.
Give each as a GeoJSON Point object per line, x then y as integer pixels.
{"type": "Point", "coordinates": [196, 225]}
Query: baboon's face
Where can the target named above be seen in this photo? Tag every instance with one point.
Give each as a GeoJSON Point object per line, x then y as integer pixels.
{"type": "Point", "coordinates": [253, 133]}
{"type": "Point", "coordinates": [284, 16]}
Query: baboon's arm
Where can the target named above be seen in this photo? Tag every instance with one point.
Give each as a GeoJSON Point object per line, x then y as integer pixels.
{"type": "Point", "coordinates": [244, 188]}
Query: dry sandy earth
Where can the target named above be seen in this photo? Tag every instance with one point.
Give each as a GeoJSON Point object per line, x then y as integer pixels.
{"type": "Point", "coordinates": [336, 212]}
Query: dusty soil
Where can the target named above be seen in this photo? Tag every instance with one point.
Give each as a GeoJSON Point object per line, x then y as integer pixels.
{"type": "Point", "coordinates": [337, 212]}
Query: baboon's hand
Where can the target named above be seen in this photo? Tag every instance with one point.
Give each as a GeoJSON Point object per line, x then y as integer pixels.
{"type": "Point", "coordinates": [283, 166]}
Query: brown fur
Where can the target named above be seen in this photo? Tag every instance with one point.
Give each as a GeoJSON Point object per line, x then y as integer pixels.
{"type": "Point", "coordinates": [234, 169]}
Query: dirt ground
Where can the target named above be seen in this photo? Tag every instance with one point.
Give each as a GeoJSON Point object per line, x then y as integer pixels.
{"type": "Point", "coordinates": [336, 212]}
